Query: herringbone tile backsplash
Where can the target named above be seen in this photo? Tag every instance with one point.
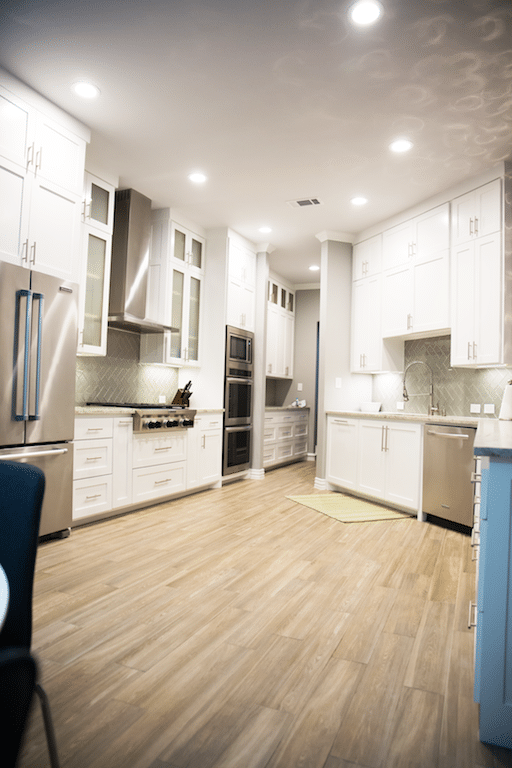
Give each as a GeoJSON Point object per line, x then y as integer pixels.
{"type": "Point", "coordinates": [455, 389]}
{"type": "Point", "coordinates": [120, 377]}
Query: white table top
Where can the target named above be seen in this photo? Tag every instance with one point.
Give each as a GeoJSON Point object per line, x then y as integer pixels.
{"type": "Point", "coordinates": [4, 595]}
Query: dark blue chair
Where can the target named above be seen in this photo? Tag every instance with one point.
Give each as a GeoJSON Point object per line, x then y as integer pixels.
{"type": "Point", "coordinates": [21, 499]}
{"type": "Point", "coordinates": [18, 672]}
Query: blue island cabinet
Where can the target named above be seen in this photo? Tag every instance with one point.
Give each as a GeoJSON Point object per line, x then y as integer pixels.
{"type": "Point", "coordinates": [493, 652]}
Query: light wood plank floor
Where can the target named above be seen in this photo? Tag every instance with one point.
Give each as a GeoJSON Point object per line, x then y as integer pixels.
{"type": "Point", "coordinates": [237, 629]}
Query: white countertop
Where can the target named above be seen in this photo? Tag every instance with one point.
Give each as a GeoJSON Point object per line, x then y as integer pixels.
{"type": "Point", "coordinates": [494, 438]}
{"type": "Point", "coordinates": [105, 410]}
{"type": "Point", "coordinates": [423, 418]}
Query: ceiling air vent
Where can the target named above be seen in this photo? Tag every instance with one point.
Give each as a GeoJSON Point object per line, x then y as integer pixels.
{"type": "Point", "coordinates": [305, 202]}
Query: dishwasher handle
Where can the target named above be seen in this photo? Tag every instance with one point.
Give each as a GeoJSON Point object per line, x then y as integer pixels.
{"type": "Point", "coordinates": [450, 435]}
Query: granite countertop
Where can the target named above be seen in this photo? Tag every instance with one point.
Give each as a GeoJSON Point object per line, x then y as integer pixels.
{"type": "Point", "coordinates": [494, 438]}
{"type": "Point", "coordinates": [286, 408]}
{"type": "Point", "coordinates": [105, 410]}
{"type": "Point", "coordinates": [423, 418]}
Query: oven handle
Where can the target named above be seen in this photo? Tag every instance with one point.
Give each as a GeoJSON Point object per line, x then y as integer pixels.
{"type": "Point", "coordinates": [238, 380]}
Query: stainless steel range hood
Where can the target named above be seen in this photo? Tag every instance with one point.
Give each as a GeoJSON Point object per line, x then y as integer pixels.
{"type": "Point", "coordinates": [130, 263]}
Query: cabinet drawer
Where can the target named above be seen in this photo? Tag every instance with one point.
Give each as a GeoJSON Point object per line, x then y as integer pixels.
{"type": "Point", "coordinates": [153, 482]}
{"type": "Point", "coordinates": [300, 447]}
{"type": "Point", "coordinates": [300, 429]}
{"type": "Point", "coordinates": [270, 433]}
{"type": "Point", "coordinates": [151, 450]}
{"type": "Point", "coordinates": [284, 450]}
{"type": "Point", "coordinates": [92, 458]}
{"type": "Point", "coordinates": [284, 431]}
{"type": "Point", "coordinates": [269, 455]}
{"type": "Point", "coordinates": [208, 422]}
{"type": "Point", "coordinates": [85, 429]}
{"type": "Point", "coordinates": [90, 497]}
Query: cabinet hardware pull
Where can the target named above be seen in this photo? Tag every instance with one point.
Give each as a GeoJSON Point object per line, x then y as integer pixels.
{"type": "Point", "coordinates": [340, 421]}
{"type": "Point", "coordinates": [124, 423]}
{"type": "Point", "coordinates": [471, 226]}
{"type": "Point", "coordinates": [33, 249]}
{"type": "Point", "coordinates": [94, 429]}
{"type": "Point", "coordinates": [164, 448]}
{"type": "Point", "coordinates": [30, 152]}
{"type": "Point", "coordinates": [24, 249]}
{"type": "Point", "coordinates": [472, 607]}
{"type": "Point", "coordinates": [474, 351]}
{"type": "Point", "coordinates": [159, 482]}
{"type": "Point", "coordinates": [382, 439]}
{"type": "Point", "coordinates": [449, 435]}
{"type": "Point", "coordinates": [387, 436]}
{"type": "Point", "coordinates": [409, 322]}
{"type": "Point", "coordinates": [94, 496]}
{"type": "Point", "coordinates": [93, 458]}
{"type": "Point", "coordinates": [469, 350]}
{"type": "Point", "coordinates": [476, 226]}
{"type": "Point", "coordinates": [39, 159]}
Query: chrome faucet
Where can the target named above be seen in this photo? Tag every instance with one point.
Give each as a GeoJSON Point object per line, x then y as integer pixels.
{"type": "Point", "coordinates": [433, 409]}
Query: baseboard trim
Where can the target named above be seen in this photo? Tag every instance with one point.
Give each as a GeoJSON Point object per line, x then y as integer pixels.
{"type": "Point", "coordinates": [256, 474]}
{"type": "Point", "coordinates": [321, 484]}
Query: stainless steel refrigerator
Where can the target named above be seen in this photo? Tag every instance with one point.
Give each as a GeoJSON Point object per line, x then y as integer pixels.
{"type": "Point", "coordinates": [38, 345]}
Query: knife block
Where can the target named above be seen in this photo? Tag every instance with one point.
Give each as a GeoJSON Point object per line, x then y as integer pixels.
{"type": "Point", "coordinates": [181, 398]}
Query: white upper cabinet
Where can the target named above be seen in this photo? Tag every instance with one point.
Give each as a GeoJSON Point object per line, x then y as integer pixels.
{"type": "Point", "coordinates": [41, 178]}
{"type": "Point", "coordinates": [415, 282]}
{"type": "Point", "coordinates": [241, 286]}
{"type": "Point", "coordinates": [175, 281]}
{"type": "Point", "coordinates": [280, 329]}
{"type": "Point", "coordinates": [367, 258]}
{"type": "Point", "coordinates": [97, 225]}
{"type": "Point", "coordinates": [477, 213]}
{"type": "Point", "coordinates": [477, 303]}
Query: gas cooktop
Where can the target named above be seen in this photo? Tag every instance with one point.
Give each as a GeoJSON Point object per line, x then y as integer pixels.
{"type": "Point", "coordinates": [152, 416]}
{"type": "Point", "coordinates": [139, 406]}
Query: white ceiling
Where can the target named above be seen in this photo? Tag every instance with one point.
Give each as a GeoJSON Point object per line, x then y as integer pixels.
{"type": "Point", "coordinates": [276, 100]}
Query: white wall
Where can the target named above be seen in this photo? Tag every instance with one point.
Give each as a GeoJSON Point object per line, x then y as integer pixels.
{"type": "Point", "coordinates": [307, 315]}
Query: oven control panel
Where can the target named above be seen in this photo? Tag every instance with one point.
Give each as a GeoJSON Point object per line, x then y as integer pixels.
{"type": "Point", "coordinates": [144, 420]}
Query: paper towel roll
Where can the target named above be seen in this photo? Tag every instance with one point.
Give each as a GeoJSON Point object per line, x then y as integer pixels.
{"type": "Point", "coordinates": [506, 403]}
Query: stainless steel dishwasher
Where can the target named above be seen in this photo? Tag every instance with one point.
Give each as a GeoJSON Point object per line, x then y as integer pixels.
{"type": "Point", "coordinates": [448, 462]}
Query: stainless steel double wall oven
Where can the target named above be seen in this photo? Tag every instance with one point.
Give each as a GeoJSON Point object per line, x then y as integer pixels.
{"type": "Point", "coordinates": [238, 400]}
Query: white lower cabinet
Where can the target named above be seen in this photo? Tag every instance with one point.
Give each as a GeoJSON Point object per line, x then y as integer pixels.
{"type": "Point", "coordinates": [204, 456]}
{"type": "Point", "coordinates": [285, 436]}
{"type": "Point", "coordinates": [122, 462]}
{"type": "Point", "coordinates": [92, 467]}
{"type": "Point", "coordinates": [159, 465]}
{"type": "Point", "coordinates": [380, 459]}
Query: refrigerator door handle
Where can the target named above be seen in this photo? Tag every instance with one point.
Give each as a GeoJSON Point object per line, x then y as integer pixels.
{"type": "Point", "coordinates": [32, 454]}
{"type": "Point", "coordinates": [23, 416]}
{"type": "Point", "coordinates": [39, 297]}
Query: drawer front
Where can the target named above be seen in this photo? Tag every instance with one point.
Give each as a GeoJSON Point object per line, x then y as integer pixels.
{"type": "Point", "coordinates": [270, 433]}
{"type": "Point", "coordinates": [91, 497]}
{"type": "Point", "coordinates": [284, 451]}
{"type": "Point", "coordinates": [300, 429]}
{"type": "Point", "coordinates": [205, 423]}
{"type": "Point", "coordinates": [285, 431]}
{"type": "Point", "coordinates": [92, 458]}
{"type": "Point", "coordinates": [88, 428]}
{"type": "Point", "coordinates": [152, 450]}
{"type": "Point", "coordinates": [269, 455]}
{"type": "Point", "coordinates": [153, 482]}
{"type": "Point", "coordinates": [300, 447]}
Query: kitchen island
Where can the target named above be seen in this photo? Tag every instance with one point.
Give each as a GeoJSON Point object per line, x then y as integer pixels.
{"type": "Point", "coordinates": [493, 657]}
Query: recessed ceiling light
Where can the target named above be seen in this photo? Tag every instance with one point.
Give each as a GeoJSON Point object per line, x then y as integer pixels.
{"type": "Point", "coordinates": [197, 178]}
{"type": "Point", "coordinates": [359, 201]}
{"type": "Point", "coordinates": [401, 145]}
{"type": "Point", "coordinates": [265, 230]}
{"type": "Point", "coordinates": [314, 268]}
{"type": "Point", "coordinates": [86, 90]}
{"type": "Point", "coordinates": [365, 12]}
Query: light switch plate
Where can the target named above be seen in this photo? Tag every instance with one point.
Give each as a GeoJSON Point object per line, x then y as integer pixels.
{"type": "Point", "coordinates": [299, 387]}
{"type": "Point", "coordinates": [474, 408]}
{"type": "Point", "coordinates": [488, 407]}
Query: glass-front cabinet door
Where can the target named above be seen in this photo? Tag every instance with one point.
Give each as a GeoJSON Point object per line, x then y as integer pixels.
{"type": "Point", "coordinates": [97, 225]}
{"type": "Point", "coordinates": [187, 248]}
{"type": "Point", "coordinates": [98, 204]}
{"type": "Point", "coordinates": [183, 342]}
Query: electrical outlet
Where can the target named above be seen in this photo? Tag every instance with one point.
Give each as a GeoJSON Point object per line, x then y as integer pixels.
{"type": "Point", "coordinates": [400, 405]}
{"type": "Point", "coordinates": [161, 398]}
{"type": "Point", "coordinates": [474, 408]}
{"type": "Point", "coordinates": [299, 387]}
{"type": "Point", "coordinates": [488, 407]}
